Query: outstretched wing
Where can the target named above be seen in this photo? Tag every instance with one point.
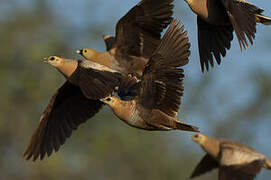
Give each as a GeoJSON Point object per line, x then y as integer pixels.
{"type": "Point", "coordinates": [213, 41]}
{"type": "Point", "coordinates": [67, 109]}
{"type": "Point", "coordinates": [162, 81]}
{"type": "Point", "coordinates": [138, 32]}
{"type": "Point", "coordinates": [206, 164]}
{"type": "Point", "coordinates": [96, 81]}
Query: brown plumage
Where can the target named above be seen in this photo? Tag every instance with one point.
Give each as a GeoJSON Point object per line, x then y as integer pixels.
{"type": "Point", "coordinates": [216, 21]}
{"type": "Point", "coordinates": [109, 42]}
{"type": "Point", "coordinates": [159, 92]}
{"type": "Point", "coordinates": [137, 35]}
{"type": "Point", "coordinates": [234, 160]}
{"type": "Point", "coordinates": [74, 103]}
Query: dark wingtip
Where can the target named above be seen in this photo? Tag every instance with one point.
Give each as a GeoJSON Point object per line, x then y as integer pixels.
{"type": "Point", "coordinates": [192, 176]}
{"type": "Point", "coordinates": [195, 129]}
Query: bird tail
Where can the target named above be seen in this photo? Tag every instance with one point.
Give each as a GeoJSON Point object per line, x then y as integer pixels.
{"type": "Point", "coordinates": [162, 121]}
{"type": "Point", "coordinates": [267, 164]}
{"type": "Point", "coordinates": [185, 127]}
{"type": "Point", "coordinates": [263, 19]}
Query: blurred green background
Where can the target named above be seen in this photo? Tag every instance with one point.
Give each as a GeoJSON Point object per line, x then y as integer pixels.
{"type": "Point", "coordinates": [231, 101]}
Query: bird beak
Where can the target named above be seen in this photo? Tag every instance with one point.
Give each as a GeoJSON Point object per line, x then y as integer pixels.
{"type": "Point", "coordinates": [45, 60]}
{"type": "Point", "coordinates": [79, 52]}
{"type": "Point", "coordinates": [103, 100]}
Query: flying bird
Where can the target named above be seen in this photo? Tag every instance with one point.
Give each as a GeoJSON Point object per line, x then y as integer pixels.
{"type": "Point", "coordinates": [217, 19]}
{"type": "Point", "coordinates": [138, 34]}
{"type": "Point", "coordinates": [158, 97]}
{"type": "Point", "coordinates": [234, 160]}
{"type": "Point", "coordinates": [76, 101]}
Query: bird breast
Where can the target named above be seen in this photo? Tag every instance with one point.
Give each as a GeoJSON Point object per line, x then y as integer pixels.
{"type": "Point", "coordinates": [131, 115]}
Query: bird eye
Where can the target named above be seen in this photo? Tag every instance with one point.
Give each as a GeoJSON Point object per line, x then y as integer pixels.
{"type": "Point", "coordinates": [196, 135]}
{"type": "Point", "coordinates": [85, 51]}
{"type": "Point", "coordinates": [108, 99]}
{"type": "Point", "coordinates": [52, 58]}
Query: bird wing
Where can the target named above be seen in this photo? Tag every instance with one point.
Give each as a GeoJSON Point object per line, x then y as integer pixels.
{"type": "Point", "coordinates": [67, 109]}
{"type": "Point", "coordinates": [206, 164]}
{"type": "Point", "coordinates": [95, 81]}
{"type": "Point", "coordinates": [128, 88]}
{"type": "Point", "coordinates": [162, 81]}
{"type": "Point", "coordinates": [240, 172]}
{"type": "Point", "coordinates": [109, 41]}
{"type": "Point", "coordinates": [213, 40]}
{"type": "Point", "coordinates": [242, 17]}
{"type": "Point", "coordinates": [138, 32]}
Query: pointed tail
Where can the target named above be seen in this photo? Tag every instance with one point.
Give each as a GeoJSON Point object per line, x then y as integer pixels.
{"type": "Point", "coordinates": [185, 127]}
{"type": "Point", "coordinates": [267, 164]}
{"type": "Point", "coordinates": [263, 19]}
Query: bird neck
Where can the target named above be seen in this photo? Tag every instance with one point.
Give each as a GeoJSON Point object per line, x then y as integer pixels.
{"type": "Point", "coordinates": [68, 67]}
{"type": "Point", "coordinates": [101, 58]}
{"type": "Point", "coordinates": [211, 146]}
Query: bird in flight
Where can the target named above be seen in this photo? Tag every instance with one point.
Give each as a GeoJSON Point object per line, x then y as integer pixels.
{"type": "Point", "coordinates": [138, 34]}
{"type": "Point", "coordinates": [76, 101]}
{"type": "Point", "coordinates": [234, 160]}
{"type": "Point", "coordinates": [158, 98]}
{"type": "Point", "coordinates": [217, 19]}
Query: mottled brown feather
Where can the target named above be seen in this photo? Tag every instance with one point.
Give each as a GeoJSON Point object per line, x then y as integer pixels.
{"type": "Point", "coordinates": [67, 109]}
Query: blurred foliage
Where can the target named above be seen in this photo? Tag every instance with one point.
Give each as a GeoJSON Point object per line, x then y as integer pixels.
{"type": "Point", "coordinates": [105, 147]}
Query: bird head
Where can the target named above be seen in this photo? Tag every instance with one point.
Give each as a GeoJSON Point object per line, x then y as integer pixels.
{"type": "Point", "coordinates": [87, 53]}
{"type": "Point", "coordinates": [54, 61]}
{"type": "Point", "coordinates": [199, 138]}
{"type": "Point", "coordinates": [112, 101]}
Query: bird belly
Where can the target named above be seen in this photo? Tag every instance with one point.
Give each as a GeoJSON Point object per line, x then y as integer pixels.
{"type": "Point", "coordinates": [137, 121]}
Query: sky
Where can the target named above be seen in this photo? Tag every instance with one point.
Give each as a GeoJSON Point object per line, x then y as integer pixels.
{"type": "Point", "coordinates": [232, 74]}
